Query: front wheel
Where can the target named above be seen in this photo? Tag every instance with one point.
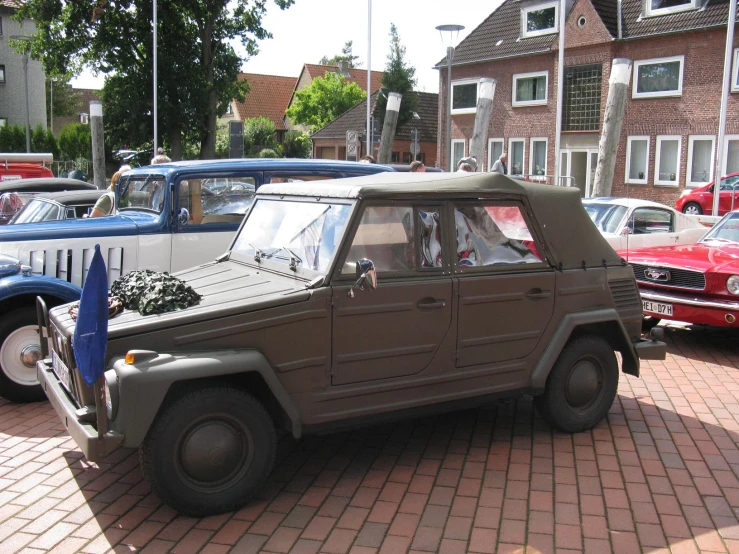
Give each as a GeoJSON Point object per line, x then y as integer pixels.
{"type": "Point", "coordinates": [692, 208]}
{"type": "Point", "coordinates": [581, 387]}
{"type": "Point", "coordinates": [20, 349]}
{"type": "Point", "coordinates": [208, 452]}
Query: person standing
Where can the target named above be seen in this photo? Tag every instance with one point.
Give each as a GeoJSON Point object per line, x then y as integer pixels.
{"type": "Point", "coordinates": [500, 165]}
{"type": "Point", "coordinates": [417, 166]}
{"type": "Point", "coordinates": [106, 203]}
{"type": "Point", "coordinates": [161, 157]}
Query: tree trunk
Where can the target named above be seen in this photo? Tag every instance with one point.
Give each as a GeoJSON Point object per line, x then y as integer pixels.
{"type": "Point", "coordinates": [175, 143]}
{"type": "Point", "coordinates": [208, 142]}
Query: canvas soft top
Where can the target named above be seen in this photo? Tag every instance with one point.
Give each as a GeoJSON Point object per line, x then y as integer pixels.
{"type": "Point", "coordinates": [44, 184]}
{"type": "Point", "coordinates": [573, 239]}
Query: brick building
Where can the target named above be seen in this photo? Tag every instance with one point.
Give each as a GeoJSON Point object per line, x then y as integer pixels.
{"type": "Point", "coordinates": [83, 97]}
{"type": "Point", "coordinates": [670, 126]}
{"type": "Point", "coordinates": [330, 141]}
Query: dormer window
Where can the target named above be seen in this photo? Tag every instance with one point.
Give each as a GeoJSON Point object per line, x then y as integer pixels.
{"type": "Point", "coordinates": [653, 8]}
{"type": "Point", "coordinates": [539, 19]}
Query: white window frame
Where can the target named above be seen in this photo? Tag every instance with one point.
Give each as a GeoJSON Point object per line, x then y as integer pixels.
{"type": "Point", "coordinates": [519, 76]}
{"type": "Point", "coordinates": [510, 155]}
{"type": "Point", "coordinates": [535, 8]}
{"type": "Point", "coordinates": [689, 168]}
{"type": "Point", "coordinates": [657, 154]}
{"type": "Point", "coordinates": [464, 151]}
{"type": "Point", "coordinates": [649, 12]}
{"type": "Point", "coordinates": [735, 71]}
{"type": "Point", "coordinates": [492, 141]}
{"type": "Point", "coordinates": [627, 177]}
{"type": "Point", "coordinates": [85, 118]}
{"type": "Point", "coordinates": [660, 94]}
{"type": "Point", "coordinates": [4, 76]}
{"type": "Point", "coordinates": [725, 161]}
{"type": "Point", "coordinates": [477, 93]}
{"type": "Point", "coordinates": [3, 121]}
{"type": "Point", "coordinates": [545, 140]}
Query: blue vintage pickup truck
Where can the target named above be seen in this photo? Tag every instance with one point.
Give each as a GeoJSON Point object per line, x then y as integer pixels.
{"type": "Point", "coordinates": [170, 217]}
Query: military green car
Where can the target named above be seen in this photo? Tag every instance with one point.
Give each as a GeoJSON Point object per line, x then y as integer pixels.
{"type": "Point", "coordinates": [352, 302]}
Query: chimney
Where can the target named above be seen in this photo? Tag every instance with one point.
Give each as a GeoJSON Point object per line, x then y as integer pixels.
{"type": "Point", "coordinates": [344, 68]}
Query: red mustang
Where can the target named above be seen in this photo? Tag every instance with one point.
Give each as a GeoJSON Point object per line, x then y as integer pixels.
{"type": "Point", "coordinates": [696, 283]}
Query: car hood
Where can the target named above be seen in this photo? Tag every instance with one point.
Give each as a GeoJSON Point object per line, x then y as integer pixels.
{"type": "Point", "coordinates": [131, 223]}
{"type": "Point", "coordinates": [702, 257]}
{"type": "Point", "coordinates": [227, 288]}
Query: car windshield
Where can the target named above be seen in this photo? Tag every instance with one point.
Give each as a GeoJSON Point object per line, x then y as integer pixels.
{"type": "Point", "coordinates": [300, 234]}
{"type": "Point", "coordinates": [142, 193]}
{"type": "Point", "coordinates": [726, 230]}
{"type": "Point", "coordinates": [36, 211]}
{"type": "Point", "coordinates": [606, 217]}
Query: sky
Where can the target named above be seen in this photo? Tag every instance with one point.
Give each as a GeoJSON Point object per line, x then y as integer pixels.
{"type": "Point", "coordinates": [310, 29]}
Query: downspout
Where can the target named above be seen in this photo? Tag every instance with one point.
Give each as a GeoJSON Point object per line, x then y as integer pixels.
{"type": "Point", "coordinates": [618, 19]}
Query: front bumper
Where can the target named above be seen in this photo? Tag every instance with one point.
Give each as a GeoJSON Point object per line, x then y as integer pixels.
{"type": "Point", "coordinates": [84, 434]}
{"type": "Point", "coordinates": [694, 309]}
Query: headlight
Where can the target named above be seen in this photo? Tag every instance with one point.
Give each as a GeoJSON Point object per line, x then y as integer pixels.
{"type": "Point", "coordinates": [111, 394]}
{"type": "Point", "coordinates": [686, 192]}
{"type": "Point", "coordinates": [732, 284]}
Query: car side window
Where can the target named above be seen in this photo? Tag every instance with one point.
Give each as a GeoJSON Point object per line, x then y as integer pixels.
{"type": "Point", "coordinates": [385, 236]}
{"type": "Point", "coordinates": [645, 221]}
{"type": "Point", "coordinates": [216, 200]}
{"type": "Point", "coordinates": [490, 234]}
{"type": "Point", "coordinates": [296, 177]}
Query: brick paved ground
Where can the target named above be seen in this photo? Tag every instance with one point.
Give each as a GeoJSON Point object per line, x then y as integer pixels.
{"type": "Point", "coordinates": [660, 475]}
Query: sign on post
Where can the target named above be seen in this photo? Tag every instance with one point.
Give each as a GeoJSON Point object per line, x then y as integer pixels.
{"type": "Point", "coordinates": [351, 145]}
{"type": "Point", "coordinates": [235, 139]}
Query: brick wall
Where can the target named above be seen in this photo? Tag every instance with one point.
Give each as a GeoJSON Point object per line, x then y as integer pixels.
{"type": "Point", "coordinates": [428, 149]}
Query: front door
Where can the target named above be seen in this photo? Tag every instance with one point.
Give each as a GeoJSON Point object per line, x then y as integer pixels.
{"type": "Point", "coordinates": [505, 304]}
{"type": "Point", "coordinates": [578, 170]}
{"type": "Point", "coordinates": [397, 329]}
{"type": "Point", "coordinates": [729, 195]}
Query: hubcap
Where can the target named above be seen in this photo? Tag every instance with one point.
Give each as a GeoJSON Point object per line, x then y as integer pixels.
{"type": "Point", "coordinates": [691, 210]}
{"type": "Point", "coordinates": [584, 384]}
{"type": "Point", "coordinates": [214, 452]}
{"type": "Point", "coordinates": [18, 355]}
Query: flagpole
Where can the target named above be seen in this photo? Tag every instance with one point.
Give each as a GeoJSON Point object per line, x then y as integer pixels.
{"type": "Point", "coordinates": [368, 133]}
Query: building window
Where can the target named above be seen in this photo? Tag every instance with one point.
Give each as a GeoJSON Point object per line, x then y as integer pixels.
{"type": "Point", "coordinates": [2, 73]}
{"type": "Point", "coordinates": [464, 96]}
{"type": "Point", "coordinates": [516, 148]}
{"type": "Point", "coordinates": [700, 160]}
{"type": "Point", "coordinates": [1, 26]}
{"type": "Point", "coordinates": [735, 72]}
{"type": "Point", "coordinates": [666, 7]}
{"type": "Point", "coordinates": [637, 160]}
{"type": "Point", "coordinates": [667, 162]}
{"type": "Point", "coordinates": [495, 149]}
{"type": "Point", "coordinates": [530, 89]}
{"type": "Point", "coordinates": [84, 118]}
{"type": "Point", "coordinates": [539, 19]}
{"type": "Point", "coordinates": [731, 154]}
{"type": "Point", "coordinates": [229, 111]}
{"type": "Point", "coordinates": [407, 157]}
{"type": "Point", "coordinates": [395, 157]}
{"type": "Point", "coordinates": [658, 77]}
{"type": "Point", "coordinates": [582, 91]}
{"type": "Point", "coordinates": [458, 146]}
{"type": "Point", "coordinates": [3, 121]}
{"type": "Point", "coordinates": [538, 159]}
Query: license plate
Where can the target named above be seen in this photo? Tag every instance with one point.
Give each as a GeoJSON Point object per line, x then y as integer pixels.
{"type": "Point", "coordinates": [659, 308]}
{"type": "Point", "coordinates": [61, 371]}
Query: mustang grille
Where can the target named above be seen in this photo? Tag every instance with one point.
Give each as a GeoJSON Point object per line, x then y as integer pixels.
{"type": "Point", "coordinates": [625, 297]}
{"type": "Point", "coordinates": [670, 277]}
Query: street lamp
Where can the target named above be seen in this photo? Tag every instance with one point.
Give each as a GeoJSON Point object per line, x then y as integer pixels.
{"type": "Point", "coordinates": [26, 39]}
{"type": "Point", "coordinates": [450, 41]}
{"type": "Point", "coordinates": [52, 80]}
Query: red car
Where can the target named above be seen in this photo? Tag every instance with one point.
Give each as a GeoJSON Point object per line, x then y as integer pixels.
{"type": "Point", "coordinates": [700, 200]}
{"type": "Point", "coordinates": [696, 283]}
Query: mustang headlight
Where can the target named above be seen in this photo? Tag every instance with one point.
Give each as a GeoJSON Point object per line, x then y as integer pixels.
{"type": "Point", "coordinates": [732, 284]}
{"type": "Point", "coordinates": [111, 394]}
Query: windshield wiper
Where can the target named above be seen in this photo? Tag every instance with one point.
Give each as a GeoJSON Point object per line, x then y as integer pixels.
{"type": "Point", "coordinates": [258, 254]}
{"type": "Point", "coordinates": [294, 258]}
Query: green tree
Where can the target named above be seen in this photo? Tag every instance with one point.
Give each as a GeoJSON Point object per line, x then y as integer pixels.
{"type": "Point", "coordinates": [195, 36]}
{"type": "Point", "coordinates": [43, 141]}
{"type": "Point", "coordinates": [297, 145]}
{"type": "Point", "coordinates": [399, 77]}
{"type": "Point", "coordinates": [75, 142]}
{"type": "Point", "coordinates": [62, 98]}
{"type": "Point", "coordinates": [259, 134]}
{"type": "Point", "coordinates": [324, 100]}
{"type": "Point", "coordinates": [12, 139]}
{"type": "Point", "coordinates": [346, 55]}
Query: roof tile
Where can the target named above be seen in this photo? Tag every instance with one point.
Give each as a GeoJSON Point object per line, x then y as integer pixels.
{"type": "Point", "coordinates": [268, 97]}
{"type": "Point", "coordinates": [356, 75]}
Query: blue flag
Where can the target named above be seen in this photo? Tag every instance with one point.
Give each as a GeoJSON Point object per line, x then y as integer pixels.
{"type": "Point", "coordinates": [91, 333]}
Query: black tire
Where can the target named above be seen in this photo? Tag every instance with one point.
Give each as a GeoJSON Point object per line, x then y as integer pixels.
{"type": "Point", "coordinates": [693, 208]}
{"type": "Point", "coordinates": [574, 406]}
{"type": "Point", "coordinates": [18, 381]}
{"type": "Point", "coordinates": [649, 323]}
{"type": "Point", "coordinates": [202, 430]}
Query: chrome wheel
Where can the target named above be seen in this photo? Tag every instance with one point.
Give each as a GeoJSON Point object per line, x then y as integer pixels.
{"type": "Point", "coordinates": [18, 355]}
{"type": "Point", "coordinates": [692, 209]}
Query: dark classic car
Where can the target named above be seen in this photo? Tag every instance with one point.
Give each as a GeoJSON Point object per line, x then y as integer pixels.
{"type": "Point", "coordinates": [15, 193]}
{"type": "Point", "coordinates": [56, 206]}
{"type": "Point", "coordinates": [695, 283]}
{"type": "Point", "coordinates": [351, 302]}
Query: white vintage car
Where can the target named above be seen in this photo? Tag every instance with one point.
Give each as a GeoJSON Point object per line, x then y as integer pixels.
{"type": "Point", "coordinates": [634, 223]}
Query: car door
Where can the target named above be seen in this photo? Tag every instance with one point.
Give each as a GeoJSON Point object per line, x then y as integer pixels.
{"type": "Point", "coordinates": [208, 211]}
{"type": "Point", "coordinates": [506, 290]}
{"type": "Point", "coordinates": [399, 328]}
{"type": "Point", "coordinates": [650, 226]}
{"type": "Point", "coordinates": [729, 195]}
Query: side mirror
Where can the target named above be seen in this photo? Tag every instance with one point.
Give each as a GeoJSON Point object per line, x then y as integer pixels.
{"type": "Point", "coordinates": [366, 276]}
{"type": "Point", "coordinates": [183, 217]}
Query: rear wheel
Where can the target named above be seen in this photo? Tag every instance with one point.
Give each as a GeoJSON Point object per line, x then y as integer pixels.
{"type": "Point", "coordinates": [209, 451]}
{"type": "Point", "coordinates": [581, 386]}
{"type": "Point", "coordinates": [692, 208]}
{"type": "Point", "coordinates": [20, 349]}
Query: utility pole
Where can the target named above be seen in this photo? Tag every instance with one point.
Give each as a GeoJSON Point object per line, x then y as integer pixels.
{"type": "Point", "coordinates": [388, 128]}
{"type": "Point", "coordinates": [618, 93]}
{"type": "Point", "coordinates": [485, 95]}
{"type": "Point", "coordinates": [98, 144]}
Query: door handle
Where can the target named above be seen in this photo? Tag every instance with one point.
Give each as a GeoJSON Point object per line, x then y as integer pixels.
{"type": "Point", "coordinates": [537, 294]}
{"type": "Point", "coordinates": [430, 304]}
